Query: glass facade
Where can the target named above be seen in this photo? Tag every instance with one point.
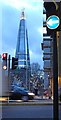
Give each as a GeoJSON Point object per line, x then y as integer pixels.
{"type": "Point", "coordinates": [22, 52]}
{"type": "Point", "coordinates": [22, 49]}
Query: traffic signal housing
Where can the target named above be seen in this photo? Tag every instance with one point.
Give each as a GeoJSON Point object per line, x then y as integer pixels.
{"type": "Point", "coordinates": [14, 63]}
{"type": "Point", "coordinates": [51, 9]}
{"type": "Point", "coordinates": [4, 58]}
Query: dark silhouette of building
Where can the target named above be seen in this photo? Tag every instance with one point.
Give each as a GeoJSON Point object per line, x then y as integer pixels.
{"type": "Point", "coordinates": [47, 47]}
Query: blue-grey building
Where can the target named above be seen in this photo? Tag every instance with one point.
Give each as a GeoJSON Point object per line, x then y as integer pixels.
{"type": "Point", "coordinates": [22, 51]}
{"type": "Point", "coordinates": [47, 47]}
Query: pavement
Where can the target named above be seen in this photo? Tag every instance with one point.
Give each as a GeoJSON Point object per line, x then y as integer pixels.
{"type": "Point", "coordinates": [38, 100]}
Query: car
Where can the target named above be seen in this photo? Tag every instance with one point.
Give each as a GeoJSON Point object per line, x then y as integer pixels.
{"type": "Point", "coordinates": [21, 93]}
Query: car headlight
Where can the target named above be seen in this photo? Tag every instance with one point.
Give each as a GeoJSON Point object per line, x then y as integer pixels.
{"type": "Point", "coordinates": [31, 94]}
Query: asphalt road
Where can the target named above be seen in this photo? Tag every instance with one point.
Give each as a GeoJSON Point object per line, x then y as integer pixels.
{"type": "Point", "coordinates": [26, 111]}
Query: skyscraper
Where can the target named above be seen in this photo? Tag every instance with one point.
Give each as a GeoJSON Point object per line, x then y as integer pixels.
{"type": "Point", "coordinates": [22, 50]}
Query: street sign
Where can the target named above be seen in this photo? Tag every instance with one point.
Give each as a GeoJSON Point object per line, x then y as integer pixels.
{"type": "Point", "coordinates": [53, 22]}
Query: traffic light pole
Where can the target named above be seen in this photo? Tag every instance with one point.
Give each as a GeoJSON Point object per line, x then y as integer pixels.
{"type": "Point", "coordinates": [52, 10]}
{"type": "Point", "coordinates": [8, 76]}
{"type": "Point", "coordinates": [26, 76]}
{"type": "Point", "coordinates": [55, 79]}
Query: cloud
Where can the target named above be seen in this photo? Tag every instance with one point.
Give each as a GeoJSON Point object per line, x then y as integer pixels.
{"type": "Point", "coordinates": [10, 25]}
{"type": "Point", "coordinates": [18, 4]}
{"type": "Point", "coordinates": [0, 29]}
{"type": "Point", "coordinates": [36, 58]}
{"type": "Point", "coordinates": [11, 19]}
{"type": "Point", "coordinates": [10, 52]}
{"type": "Point", "coordinates": [40, 30]}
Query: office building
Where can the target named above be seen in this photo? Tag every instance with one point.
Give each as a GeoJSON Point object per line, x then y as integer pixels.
{"type": "Point", "coordinates": [47, 47]}
{"type": "Point", "coordinates": [22, 51]}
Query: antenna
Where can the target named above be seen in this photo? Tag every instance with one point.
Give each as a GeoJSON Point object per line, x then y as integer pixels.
{"type": "Point", "coordinates": [22, 14]}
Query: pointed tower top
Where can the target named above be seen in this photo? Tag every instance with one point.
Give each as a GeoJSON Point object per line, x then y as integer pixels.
{"type": "Point", "coordinates": [22, 14]}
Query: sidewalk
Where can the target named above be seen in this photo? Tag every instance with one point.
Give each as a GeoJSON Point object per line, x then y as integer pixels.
{"type": "Point", "coordinates": [36, 101]}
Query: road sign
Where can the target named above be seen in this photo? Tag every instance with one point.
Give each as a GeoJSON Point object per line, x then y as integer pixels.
{"type": "Point", "coordinates": [53, 22]}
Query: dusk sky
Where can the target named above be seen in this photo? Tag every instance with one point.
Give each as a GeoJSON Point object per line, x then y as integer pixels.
{"type": "Point", "coordinates": [11, 11]}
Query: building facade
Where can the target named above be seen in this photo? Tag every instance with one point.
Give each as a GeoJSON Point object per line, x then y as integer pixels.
{"type": "Point", "coordinates": [47, 47]}
{"type": "Point", "coordinates": [22, 48]}
{"type": "Point", "coordinates": [22, 51]}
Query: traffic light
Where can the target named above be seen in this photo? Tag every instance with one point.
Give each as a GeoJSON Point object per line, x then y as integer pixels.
{"type": "Point", "coordinates": [4, 58]}
{"type": "Point", "coordinates": [53, 8]}
{"type": "Point", "coordinates": [14, 63]}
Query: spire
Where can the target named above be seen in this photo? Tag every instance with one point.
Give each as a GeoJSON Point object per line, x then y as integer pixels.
{"type": "Point", "coordinates": [22, 52]}
{"type": "Point", "coordinates": [22, 14]}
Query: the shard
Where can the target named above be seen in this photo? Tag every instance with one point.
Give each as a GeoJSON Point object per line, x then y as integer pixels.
{"type": "Point", "coordinates": [22, 51]}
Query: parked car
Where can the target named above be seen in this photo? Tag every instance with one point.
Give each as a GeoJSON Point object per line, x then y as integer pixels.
{"type": "Point", "coordinates": [20, 93]}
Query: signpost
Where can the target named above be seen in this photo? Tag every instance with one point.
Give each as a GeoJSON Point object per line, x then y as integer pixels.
{"type": "Point", "coordinates": [53, 22]}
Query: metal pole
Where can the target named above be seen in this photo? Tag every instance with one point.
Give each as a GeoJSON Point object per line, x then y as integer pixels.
{"type": "Point", "coordinates": [29, 77]}
{"type": "Point", "coordinates": [26, 77]}
{"type": "Point", "coordinates": [8, 76]}
{"type": "Point", "coordinates": [55, 79]}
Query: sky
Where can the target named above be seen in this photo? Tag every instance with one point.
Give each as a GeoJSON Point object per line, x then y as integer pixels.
{"type": "Point", "coordinates": [10, 19]}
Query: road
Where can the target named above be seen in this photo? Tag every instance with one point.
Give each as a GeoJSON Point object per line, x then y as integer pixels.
{"type": "Point", "coordinates": [26, 111]}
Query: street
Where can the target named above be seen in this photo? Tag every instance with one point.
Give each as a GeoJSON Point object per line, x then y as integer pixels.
{"type": "Point", "coordinates": [28, 111]}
